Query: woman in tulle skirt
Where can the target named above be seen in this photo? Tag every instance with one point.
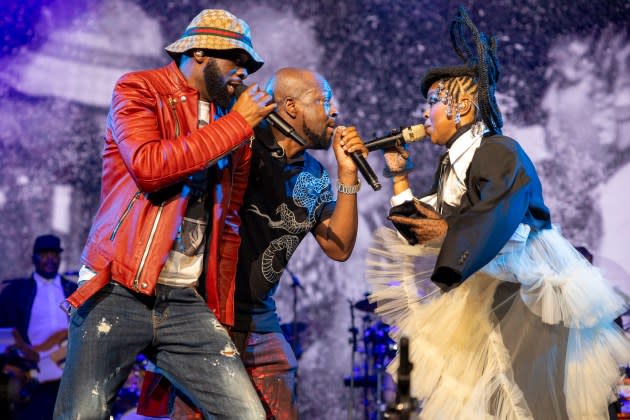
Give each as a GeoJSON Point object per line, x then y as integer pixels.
{"type": "Point", "coordinates": [505, 318]}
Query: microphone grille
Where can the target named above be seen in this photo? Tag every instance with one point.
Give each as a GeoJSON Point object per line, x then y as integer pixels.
{"type": "Point", "coordinates": [239, 89]}
{"type": "Point", "coordinates": [413, 133]}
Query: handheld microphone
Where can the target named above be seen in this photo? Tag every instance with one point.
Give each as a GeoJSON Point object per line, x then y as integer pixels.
{"type": "Point", "coordinates": [275, 119]}
{"type": "Point", "coordinates": [406, 135]}
{"type": "Point", "coordinates": [364, 167]}
{"type": "Point", "coordinates": [286, 129]}
{"type": "Point", "coordinates": [366, 170]}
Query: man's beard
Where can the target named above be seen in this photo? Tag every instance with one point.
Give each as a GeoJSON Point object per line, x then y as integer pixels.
{"type": "Point", "coordinates": [316, 141]}
{"type": "Point", "coordinates": [216, 86]}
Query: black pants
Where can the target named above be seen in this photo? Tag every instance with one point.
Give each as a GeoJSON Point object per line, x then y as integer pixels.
{"type": "Point", "coordinates": [41, 404]}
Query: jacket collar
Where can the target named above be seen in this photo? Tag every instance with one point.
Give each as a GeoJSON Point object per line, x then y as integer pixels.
{"type": "Point", "coordinates": [176, 77]}
{"type": "Point", "coordinates": [461, 151]}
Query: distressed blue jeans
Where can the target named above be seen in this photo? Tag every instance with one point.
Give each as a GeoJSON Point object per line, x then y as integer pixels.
{"type": "Point", "coordinates": [176, 330]}
{"type": "Point", "coordinates": [272, 367]}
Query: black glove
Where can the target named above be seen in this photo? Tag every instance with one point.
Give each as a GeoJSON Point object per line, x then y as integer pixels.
{"type": "Point", "coordinates": [397, 161]}
{"type": "Point", "coordinates": [418, 222]}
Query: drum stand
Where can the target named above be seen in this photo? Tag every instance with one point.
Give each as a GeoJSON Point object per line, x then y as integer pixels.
{"type": "Point", "coordinates": [380, 404]}
{"type": "Point", "coordinates": [353, 341]}
{"type": "Point", "coordinates": [370, 375]}
{"type": "Point", "coordinates": [370, 370]}
{"type": "Point", "coordinates": [378, 343]}
{"type": "Point", "coordinates": [295, 327]}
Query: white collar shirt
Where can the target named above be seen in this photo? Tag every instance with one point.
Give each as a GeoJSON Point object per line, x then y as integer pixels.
{"type": "Point", "coordinates": [46, 315]}
{"type": "Point", "coordinates": [47, 318]}
{"type": "Point", "coordinates": [460, 154]}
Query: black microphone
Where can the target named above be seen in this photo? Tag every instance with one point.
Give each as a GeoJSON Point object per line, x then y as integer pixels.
{"type": "Point", "coordinates": [366, 170]}
{"type": "Point", "coordinates": [286, 129]}
{"type": "Point", "coordinates": [404, 368]}
{"type": "Point", "coordinates": [364, 167]}
{"type": "Point", "coordinates": [406, 135]}
{"type": "Point", "coordinates": [275, 119]}
{"type": "Point", "coordinates": [404, 405]}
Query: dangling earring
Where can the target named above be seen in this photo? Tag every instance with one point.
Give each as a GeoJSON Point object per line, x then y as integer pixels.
{"type": "Point", "coordinates": [279, 153]}
{"type": "Point", "coordinates": [458, 116]}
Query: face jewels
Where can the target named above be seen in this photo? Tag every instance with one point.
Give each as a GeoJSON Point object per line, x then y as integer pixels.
{"type": "Point", "coordinates": [434, 98]}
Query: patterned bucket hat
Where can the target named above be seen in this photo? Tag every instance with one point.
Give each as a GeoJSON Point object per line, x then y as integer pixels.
{"type": "Point", "coordinates": [217, 30]}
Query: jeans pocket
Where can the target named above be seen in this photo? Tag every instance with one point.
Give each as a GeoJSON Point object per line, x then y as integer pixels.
{"type": "Point", "coordinates": [77, 315]}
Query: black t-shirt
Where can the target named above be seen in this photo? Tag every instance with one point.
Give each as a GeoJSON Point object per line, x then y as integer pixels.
{"type": "Point", "coordinates": [284, 201]}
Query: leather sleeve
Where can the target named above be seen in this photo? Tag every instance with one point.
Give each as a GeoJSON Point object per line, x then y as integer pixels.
{"type": "Point", "coordinates": [231, 240]}
{"type": "Point", "coordinates": [136, 121]}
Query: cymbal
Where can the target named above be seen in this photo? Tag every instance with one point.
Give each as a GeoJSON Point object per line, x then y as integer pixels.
{"type": "Point", "coordinates": [361, 381]}
{"type": "Point", "coordinates": [365, 306]}
{"type": "Point", "coordinates": [287, 328]}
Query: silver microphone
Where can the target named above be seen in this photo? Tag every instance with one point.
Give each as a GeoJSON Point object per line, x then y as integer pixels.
{"type": "Point", "coordinates": [406, 135]}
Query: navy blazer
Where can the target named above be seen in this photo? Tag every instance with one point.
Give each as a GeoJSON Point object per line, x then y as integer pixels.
{"type": "Point", "coordinates": [16, 301]}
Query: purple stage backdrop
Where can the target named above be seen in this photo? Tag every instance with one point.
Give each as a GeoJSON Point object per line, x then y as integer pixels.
{"type": "Point", "coordinates": [565, 95]}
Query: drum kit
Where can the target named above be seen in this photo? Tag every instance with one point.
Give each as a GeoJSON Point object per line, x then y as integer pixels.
{"type": "Point", "coordinates": [372, 350]}
{"type": "Point", "coordinates": [293, 332]}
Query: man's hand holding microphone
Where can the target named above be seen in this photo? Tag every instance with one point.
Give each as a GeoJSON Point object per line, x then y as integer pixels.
{"type": "Point", "coordinates": [347, 144]}
{"type": "Point", "coordinates": [253, 103]}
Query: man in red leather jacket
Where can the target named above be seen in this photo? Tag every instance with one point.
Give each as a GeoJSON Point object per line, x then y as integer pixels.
{"type": "Point", "coordinates": [160, 259]}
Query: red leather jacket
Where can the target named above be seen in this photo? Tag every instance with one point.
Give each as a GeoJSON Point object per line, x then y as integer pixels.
{"type": "Point", "coordinates": [152, 144]}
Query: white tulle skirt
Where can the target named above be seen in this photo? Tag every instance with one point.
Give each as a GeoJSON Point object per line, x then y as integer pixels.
{"type": "Point", "coordinates": [529, 336]}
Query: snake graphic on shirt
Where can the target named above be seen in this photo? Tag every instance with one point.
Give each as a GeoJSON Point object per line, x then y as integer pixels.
{"type": "Point", "coordinates": [310, 193]}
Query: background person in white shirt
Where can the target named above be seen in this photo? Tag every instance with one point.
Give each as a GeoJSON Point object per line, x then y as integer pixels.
{"type": "Point", "coordinates": [31, 307]}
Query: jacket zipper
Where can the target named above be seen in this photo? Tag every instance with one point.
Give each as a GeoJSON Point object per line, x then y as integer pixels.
{"type": "Point", "coordinates": [136, 279]}
{"type": "Point", "coordinates": [173, 102]}
{"type": "Point", "coordinates": [231, 166]}
{"type": "Point", "coordinates": [124, 215]}
{"type": "Point", "coordinates": [229, 201]}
